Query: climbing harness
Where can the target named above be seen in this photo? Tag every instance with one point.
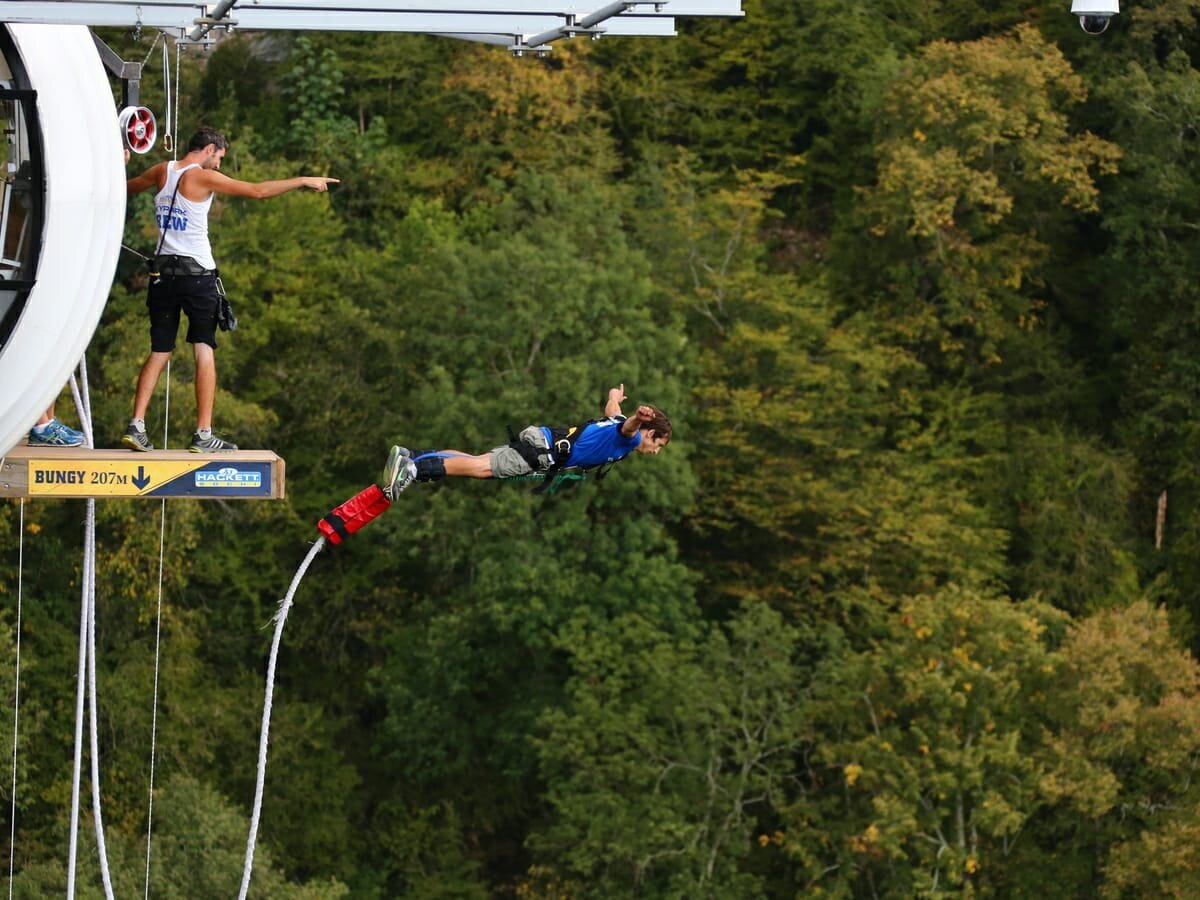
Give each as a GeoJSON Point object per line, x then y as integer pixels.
{"type": "Point", "coordinates": [550, 485]}
{"type": "Point", "coordinates": [561, 445]}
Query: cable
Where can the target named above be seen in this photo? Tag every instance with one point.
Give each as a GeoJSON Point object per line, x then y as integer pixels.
{"type": "Point", "coordinates": [87, 665]}
{"type": "Point", "coordinates": [280, 618]}
{"type": "Point", "coordinates": [175, 129]}
{"type": "Point", "coordinates": [151, 50]}
{"type": "Point", "coordinates": [162, 533]}
{"type": "Point", "coordinates": [93, 699]}
{"type": "Point", "coordinates": [12, 834]}
{"type": "Point", "coordinates": [166, 410]}
{"type": "Point", "coordinates": [79, 696]}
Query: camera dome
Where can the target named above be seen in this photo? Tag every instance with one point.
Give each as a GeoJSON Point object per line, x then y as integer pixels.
{"type": "Point", "coordinates": [1094, 23]}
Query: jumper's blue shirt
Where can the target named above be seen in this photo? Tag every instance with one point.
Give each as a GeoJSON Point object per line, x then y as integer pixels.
{"type": "Point", "coordinates": [601, 442]}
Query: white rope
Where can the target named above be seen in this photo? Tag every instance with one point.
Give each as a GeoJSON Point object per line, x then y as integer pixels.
{"type": "Point", "coordinates": [87, 665]}
{"type": "Point", "coordinates": [162, 534]}
{"type": "Point", "coordinates": [167, 93]}
{"type": "Point", "coordinates": [151, 50]}
{"type": "Point", "coordinates": [166, 412]}
{"type": "Point", "coordinates": [12, 834]}
{"type": "Point", "coordinates": [79, 695]}
{"type": "Point", "coordinates": [280, 618]}
{"type": "Point", "coordinates": [93, 698]}
{"type": "Point", "coordinates": [175, 128]}
{"type": "Point", "coordinates": [162, 538]}
{"type": "Point", "coordinates": [83, 403]}
{"type": "Point", "coordinates": [86, 415]}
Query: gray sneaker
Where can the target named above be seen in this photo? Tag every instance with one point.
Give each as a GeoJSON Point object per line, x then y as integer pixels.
{"type": "Point", "coordinates": [398, 473]}
{"type": "Point", "coordinates": [136, 440]}
{"type": "Point", "coordinates": [210, 445]}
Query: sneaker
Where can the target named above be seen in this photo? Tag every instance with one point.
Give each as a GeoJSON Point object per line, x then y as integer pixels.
{"type": "Point", "coordinates": [398, 473]}
{"type": "Point", "coordinates": [212, 445]}
{"type": "Point", "coordinates": [56, 434]}
{"type": "Point", "coordinates": [136, 440]}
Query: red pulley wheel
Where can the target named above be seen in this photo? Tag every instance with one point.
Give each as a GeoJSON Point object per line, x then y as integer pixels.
{"type": "Point", "coordinates": [138, 128]}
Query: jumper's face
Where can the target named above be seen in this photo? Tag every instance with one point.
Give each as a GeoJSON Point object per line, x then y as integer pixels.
{"type": "Point", "coordinates": [652, 443]}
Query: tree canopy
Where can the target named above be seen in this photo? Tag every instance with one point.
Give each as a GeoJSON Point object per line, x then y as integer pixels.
{"type": "Point", "coordinates": [889, 617]}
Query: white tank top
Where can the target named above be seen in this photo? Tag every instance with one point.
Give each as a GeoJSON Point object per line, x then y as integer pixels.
{"type": "Point", "coordinates": [185, 231]}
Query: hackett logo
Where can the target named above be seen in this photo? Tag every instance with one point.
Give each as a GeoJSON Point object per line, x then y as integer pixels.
{"type": "Point", "coordinates": [228, 477]}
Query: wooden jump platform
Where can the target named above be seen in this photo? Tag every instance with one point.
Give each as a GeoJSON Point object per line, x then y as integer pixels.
{"type": "Point", "coordinates": [61, 472]}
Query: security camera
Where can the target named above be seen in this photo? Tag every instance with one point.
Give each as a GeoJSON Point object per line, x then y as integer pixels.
{"type": "Point", "coordinates": [1094, 15]}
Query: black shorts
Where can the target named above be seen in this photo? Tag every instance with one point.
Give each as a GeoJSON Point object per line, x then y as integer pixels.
{"type": "Point", "coordinates": [195, 295]}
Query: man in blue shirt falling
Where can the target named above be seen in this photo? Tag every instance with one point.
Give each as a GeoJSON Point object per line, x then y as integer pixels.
{"type": "Point", "coordinates": [537, 450]}
{"type": "Point", "coordinates": [541, 449]}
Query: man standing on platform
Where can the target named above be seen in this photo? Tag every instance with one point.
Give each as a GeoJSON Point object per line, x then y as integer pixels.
{"type": "Point", "coordinates": [184, 276]}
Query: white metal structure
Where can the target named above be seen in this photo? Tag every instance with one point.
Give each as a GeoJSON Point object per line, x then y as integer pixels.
{"type": "Point", "coordinates": [82, 207]}
{"type": "Point", "coordinates": [519, 24]}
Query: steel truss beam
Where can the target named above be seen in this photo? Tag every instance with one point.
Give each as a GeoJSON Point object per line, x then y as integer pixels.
{"type": "Point", "coordinates": [519, 24]}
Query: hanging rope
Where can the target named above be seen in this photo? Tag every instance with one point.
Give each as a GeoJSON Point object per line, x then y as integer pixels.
{"type": "Point", "coordinates": [12, 834]}
{"type": "Point", "coordinates": [162, 540]}
{"type": "Point", "coordinates": [166, 414]}
{"type": "Point", "coordinates": [175, 127]}
{"type": "Point", "coordinates": [79, 697]}
{"type": "Point", "coordinates": [169, 136]}
{"type": "Point", "coordinates": [87, 665]}
{"type": "Point", "coordinates": [93, 698]}
{"type": "Point", "coordinates": [280, 618]}
{"type": "Point", "coordinates": [162, 536]}
{"type": "Point", "coordinates": [153, 44]}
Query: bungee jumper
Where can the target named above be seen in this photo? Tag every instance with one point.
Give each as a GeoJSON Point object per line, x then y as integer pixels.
{"type": "Point", "coordinates": [539, 451]}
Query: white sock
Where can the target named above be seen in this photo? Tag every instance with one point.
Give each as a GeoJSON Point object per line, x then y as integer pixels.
{"type": "Point", "coordinates": [204, 433]}
{"type": "Point", "coordinates": [41, 429]}
{"type": "Point", "coordinates": [138, 425]}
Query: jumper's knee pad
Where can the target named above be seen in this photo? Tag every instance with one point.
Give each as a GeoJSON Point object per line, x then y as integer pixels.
{"type": "Point", "coordinates": [352, 515]}
{"type": "Point", "coordinates": [431, 468]}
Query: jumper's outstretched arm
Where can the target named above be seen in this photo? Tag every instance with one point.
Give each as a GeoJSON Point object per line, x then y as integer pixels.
{"type": "Point", "coordinates": [616, 397]}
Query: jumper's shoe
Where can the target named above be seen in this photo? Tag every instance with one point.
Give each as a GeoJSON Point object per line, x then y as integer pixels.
{"type": "Point", "coordinates": [398, 473]}
{"type": "Point", "coordinates": [211, 444]}
{"type": "Point", "coordinates": [55, 434]}
{"type": "Point", "coordinates": [136, 440]}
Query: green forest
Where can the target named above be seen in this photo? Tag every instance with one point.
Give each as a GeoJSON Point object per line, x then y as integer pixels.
{"type": "Point", "coordinates": [909, 606]}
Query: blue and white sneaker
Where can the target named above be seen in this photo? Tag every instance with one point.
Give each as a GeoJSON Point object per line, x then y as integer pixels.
{"type": "Point", "coordinates": [56, 434]}
{"type": "Point", "coordinates": [398, 472]}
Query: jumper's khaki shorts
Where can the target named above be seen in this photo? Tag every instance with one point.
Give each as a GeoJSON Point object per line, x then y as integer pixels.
{"type": "Point", "coordinates": [507, 462]}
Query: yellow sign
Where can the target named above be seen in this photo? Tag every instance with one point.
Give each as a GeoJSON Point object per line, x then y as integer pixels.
{"type": "Point", "coordinates": [73, 472]}
{"type": "Point", "coordinates": [105, 478]}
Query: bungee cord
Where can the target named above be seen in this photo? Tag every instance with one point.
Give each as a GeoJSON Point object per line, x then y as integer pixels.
{"type": "Point", "coordinates": [280, 618]}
